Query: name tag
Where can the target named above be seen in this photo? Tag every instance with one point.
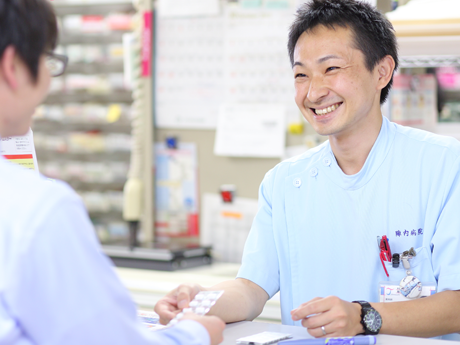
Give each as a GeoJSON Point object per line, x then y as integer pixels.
{"type": "Point", "coordinates": [391, 291]}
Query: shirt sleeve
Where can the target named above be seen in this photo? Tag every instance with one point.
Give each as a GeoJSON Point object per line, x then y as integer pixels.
{"type": "Point", "coordinates": [260, 261]}
{"type": "Point", "coordinates": [446, 240]}
{"type": "Point", "coordinates": [65, 290]}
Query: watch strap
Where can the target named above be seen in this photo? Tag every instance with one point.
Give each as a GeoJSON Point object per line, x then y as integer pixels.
{"type": "Point", "coordinates": [364, 307]}
{"type": "Point", "coordinates": [364, 304]}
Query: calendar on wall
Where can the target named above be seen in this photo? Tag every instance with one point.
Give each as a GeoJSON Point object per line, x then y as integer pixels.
{"type": "Point", "coordinates": [257, 65]}
{"type": "Point", "coordinates": [238, 56]}
{"type": "Point", "coordinates": [189, 74]}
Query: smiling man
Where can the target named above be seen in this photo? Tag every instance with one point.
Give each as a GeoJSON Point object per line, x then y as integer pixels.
{"type": "Point", "coordinates": [314, 238]}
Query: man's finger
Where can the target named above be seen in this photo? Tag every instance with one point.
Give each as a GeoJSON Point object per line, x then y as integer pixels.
{"type": "Point", "coordinates": [167, 316]}
{"type": "Point", "coordinates": [166, 304]}
{"type": "Point", "coordinates": [318, 332]}
{"type": "Point", "coordinates": [185, 294]}
{"type": "Point", "coordinates": [315, 307]}
{"type": "Point", "coordinates": [167, 300]}
{"type": "Point", "coordinates": [307, 303]}
{"type": "Point", "coordinates": [317, 321]}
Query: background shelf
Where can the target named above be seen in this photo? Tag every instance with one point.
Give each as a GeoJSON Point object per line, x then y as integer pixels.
{"type": "Point", "coordinates": [48, 155]}
{"type": "Point", "coordinates": [93, 8]}
{"type": "Point", "coordinates": [113, 97]}
{"type": "Point", "coordinates": [451, 95]}
{"type": "Point", "coordinates": [95, 68]}
{"type": "Point", "coordinates": [71, 130]}
{"type": "Point", "coordinates": [97, 38]}
{"type": "Point", "coordinates": [429, 61]}
{"type": "Point", "coordinates": [47, 126]}
{"type": "Point", "coordinates": [95, 186]}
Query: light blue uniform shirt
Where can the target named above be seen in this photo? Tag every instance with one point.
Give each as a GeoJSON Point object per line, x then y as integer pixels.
{"type": "Point", "coordinates": [315, 233]}
{"type": "Point", "coordinates": [56, 287]}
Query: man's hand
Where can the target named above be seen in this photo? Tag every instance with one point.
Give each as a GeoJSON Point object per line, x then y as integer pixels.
{"type": "Point", "coordinates": [242, 300]}
{"type": "Point", "coordinates": [179, 298]}
{"type": "Point", "coordinates": [339, 318]}
{"type": "Point", "coordinates": [213, 325]}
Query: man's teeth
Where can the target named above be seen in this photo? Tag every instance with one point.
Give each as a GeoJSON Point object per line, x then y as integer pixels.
{"type": "Point", "coordinates": [326, 110]}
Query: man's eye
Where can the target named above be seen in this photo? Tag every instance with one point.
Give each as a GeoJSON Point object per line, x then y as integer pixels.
{"type": "Point", "coordinates": [331, 69]}
{"type": "Point", "coordinates": [300, 75]}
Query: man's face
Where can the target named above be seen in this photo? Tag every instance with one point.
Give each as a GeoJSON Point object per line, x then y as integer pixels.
{"type": "Point", "coordinates": [335, 91]}
{"type": "Point", "coordinates": [24, 99]}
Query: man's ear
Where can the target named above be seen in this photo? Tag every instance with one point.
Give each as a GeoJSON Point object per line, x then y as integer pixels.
{"type": "Point", "coordinates": [8, 67]}
{"type": "Point", "coordinates": [385, 69]}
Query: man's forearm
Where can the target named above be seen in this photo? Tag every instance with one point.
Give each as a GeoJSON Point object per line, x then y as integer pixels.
{"type": "Point", "coordinates": [242, 300]}
{"type": "Point", "coordinates": [425, 317]}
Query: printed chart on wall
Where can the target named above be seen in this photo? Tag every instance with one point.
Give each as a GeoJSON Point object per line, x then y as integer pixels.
{"type": "Point", "coordinates": [20, 150]}
{"type": "Point", "coordinates": [235, 57]}
{"type": "Point", "coordinates": [257, 66]}
{"type": "Point", "coordinates": [189, 88]}
{"type": "Point", "coordinates": [176, 190]}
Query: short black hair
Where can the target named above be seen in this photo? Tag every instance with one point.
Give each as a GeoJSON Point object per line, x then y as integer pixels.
{"type": "Point", "coordinates": [30, 26]}
{"type": "Point", "coordinates": [373, 34]}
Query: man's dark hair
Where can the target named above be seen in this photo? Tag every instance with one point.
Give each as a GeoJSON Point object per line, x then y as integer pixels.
{"type": "Point", "coordinates": [373, 33]}
{"type": "Point", "coordinates": [30, 26]}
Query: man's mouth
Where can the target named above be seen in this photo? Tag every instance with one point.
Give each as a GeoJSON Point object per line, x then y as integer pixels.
{"type": "Point", "coordinates": [326, 110]}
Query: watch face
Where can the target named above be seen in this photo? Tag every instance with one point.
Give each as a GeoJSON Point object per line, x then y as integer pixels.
{"type": "Point", "coordinates": [373, 320]}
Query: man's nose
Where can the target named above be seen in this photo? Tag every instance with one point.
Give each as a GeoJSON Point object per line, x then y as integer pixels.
{"type": "Point", "coordinates": [316, 90]}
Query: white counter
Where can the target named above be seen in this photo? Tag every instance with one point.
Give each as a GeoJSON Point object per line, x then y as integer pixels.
{"type": "Point", "coordinates": [147, 286]}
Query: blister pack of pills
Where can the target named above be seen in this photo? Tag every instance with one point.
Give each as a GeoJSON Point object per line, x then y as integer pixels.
{"type": "Point", "coordinates": [200, 305]}
{"type": "Point", "coordinates": [150, 320]}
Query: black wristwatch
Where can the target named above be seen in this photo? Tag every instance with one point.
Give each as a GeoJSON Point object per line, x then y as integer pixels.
{"type": "Point", "coordinates": [370, 318]}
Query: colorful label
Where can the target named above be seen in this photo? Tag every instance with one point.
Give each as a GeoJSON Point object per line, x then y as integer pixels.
{"type": "Point", "coordinates": [147, 45]}
{"type": "Point", "coordinates": [20, 150]}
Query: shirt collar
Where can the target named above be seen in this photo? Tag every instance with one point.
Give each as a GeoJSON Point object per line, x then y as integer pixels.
{"type": "Point", "coordinates": [373, 162]}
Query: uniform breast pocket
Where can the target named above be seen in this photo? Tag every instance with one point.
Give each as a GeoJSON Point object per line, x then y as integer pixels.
{"type": "Point", "coordinates": [394, 290]}
{"type": "Point", "coordinates": [420, 266]}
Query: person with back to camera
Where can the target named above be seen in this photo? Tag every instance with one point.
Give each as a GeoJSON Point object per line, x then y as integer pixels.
{"type": "Point", "coordinates": [314, 237]}
{"type": "Point", "coordinates": [56, 286]}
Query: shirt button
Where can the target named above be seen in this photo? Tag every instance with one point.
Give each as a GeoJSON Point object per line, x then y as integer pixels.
{"type": "Point", "coordinates": [313, 172]}
{"type": "Point", "coordinates": [297, 182]}
{"type": "Point", "coordinates": [327, 161]}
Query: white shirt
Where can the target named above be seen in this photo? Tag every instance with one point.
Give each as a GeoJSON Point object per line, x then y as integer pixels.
{"type": "Point", "coordinates": [56, 286]}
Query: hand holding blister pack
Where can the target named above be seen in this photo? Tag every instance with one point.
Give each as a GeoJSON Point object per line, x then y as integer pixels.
{"type": "Point", "coordinates": [200, 305]}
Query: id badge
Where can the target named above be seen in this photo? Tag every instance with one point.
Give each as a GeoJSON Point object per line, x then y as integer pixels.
{"type": "Point", "coordinates": [390, 291]}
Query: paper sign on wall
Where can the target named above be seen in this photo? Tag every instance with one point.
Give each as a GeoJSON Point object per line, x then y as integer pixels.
{"type": "Point", "coordinates": [225, 226]}
{"type": "Point", "coordinates": [187, 8]}
{"type": "Point", "coordinates": [251, 130]}
{"type": "Point", "coordinates": [176, 190]}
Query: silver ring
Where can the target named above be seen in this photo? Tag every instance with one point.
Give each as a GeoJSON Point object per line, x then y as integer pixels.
{"type": "Point", "coordinates": [324, 331]}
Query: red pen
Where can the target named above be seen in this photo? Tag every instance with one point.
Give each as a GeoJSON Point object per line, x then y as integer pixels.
{"type": "Point", "coordinates": [385, 248]}
{"type": "Point", "coordinates": [383, 264]}
{"type": "Point", "coordinates": [385, 252]}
